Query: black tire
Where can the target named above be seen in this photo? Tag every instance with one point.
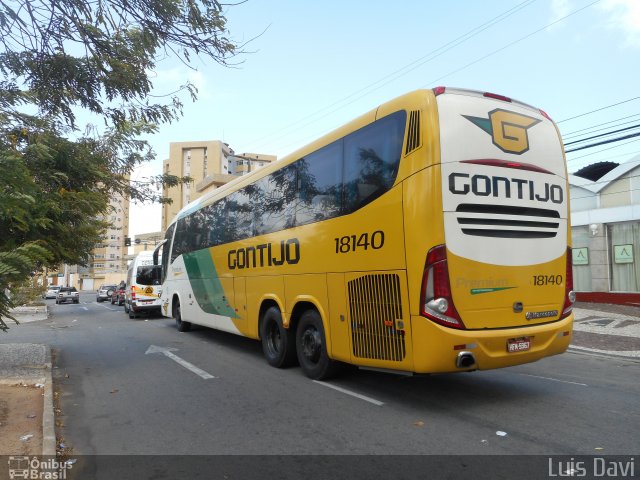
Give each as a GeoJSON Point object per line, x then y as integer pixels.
{"type": "Point", "coordinates": [181, 324]}
{"type": "Point", "coordinates": [110, 293]}
{"type": "Point", "coordinates": [76, 301]}
{"type": "Point", "coordinates": [311, 347]}
{"type": "Point", "coordinates": [278, 343]}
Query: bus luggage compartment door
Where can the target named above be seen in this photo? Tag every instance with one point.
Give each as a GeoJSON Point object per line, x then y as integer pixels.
{"type": "Point", "coordinates": [379, 320]}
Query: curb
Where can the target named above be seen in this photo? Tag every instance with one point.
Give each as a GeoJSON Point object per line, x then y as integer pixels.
{"type": "Point", "coordinates": [48, 417]}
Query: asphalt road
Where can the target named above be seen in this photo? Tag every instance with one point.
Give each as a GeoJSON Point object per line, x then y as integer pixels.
{"type": "Point", "coordinates": [214, 394]}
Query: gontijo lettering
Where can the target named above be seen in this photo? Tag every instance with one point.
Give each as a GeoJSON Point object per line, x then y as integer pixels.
{"type": "Point", "coordinates": [265, 254]}
{"type": "Point", "coordinates": [484, 186]}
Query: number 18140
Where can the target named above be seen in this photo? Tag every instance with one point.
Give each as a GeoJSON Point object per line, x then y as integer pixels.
{"type": "Point", "coordinates": [364, 241]}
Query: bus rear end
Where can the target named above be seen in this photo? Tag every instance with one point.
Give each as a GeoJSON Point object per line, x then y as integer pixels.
{"type": "Point", "coordinates": [498, 291]}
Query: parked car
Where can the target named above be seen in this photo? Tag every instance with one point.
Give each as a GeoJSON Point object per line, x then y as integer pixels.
{"type": "Point", "coordinates": [68, 294]}
{"type": "Point", "coordinates": [118, 294]}
{"type": "Point", "coordinates": [105, 292]}
{"type": "Point", "coordinates": [52, 291]}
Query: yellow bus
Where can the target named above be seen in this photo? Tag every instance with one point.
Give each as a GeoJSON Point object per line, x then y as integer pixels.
{"type": "Point", "coordinates": [428, 235]}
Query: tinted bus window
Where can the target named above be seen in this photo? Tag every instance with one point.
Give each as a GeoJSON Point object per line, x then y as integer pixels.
{"type": "Point", "coordinates": [371, 159]}
{"type": "Point", "coordinates": [320, 182]}
{"type": "Point", "coordinates": [276, 201]}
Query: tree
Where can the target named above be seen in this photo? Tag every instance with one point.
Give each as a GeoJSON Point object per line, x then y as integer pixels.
{"type": "Point", "coordinates": [65, 57]}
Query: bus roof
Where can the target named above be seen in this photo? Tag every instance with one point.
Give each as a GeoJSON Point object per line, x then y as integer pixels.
{"type": "Point", "coordinates": [352, 125]}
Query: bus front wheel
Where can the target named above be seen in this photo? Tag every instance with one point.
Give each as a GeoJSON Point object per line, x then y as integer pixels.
{"type": "Point", "coordinates": [278, 343]}
{"type": "Point", "coordinates": [312, 347]}
{"type": "Point", "coordinates": [181, 324]}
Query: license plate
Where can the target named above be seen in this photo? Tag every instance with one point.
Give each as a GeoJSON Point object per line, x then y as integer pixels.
{"type": "Point", "coordinates": [521, 344]}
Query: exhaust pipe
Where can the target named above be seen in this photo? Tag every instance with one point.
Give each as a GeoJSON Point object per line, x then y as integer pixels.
{"type": "Point", "coordinates": [465, 360]}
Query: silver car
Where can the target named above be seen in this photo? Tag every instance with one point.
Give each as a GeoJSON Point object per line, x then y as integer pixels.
{"type": "Point", "coordinates": [52, 291]}
{"type": "Point", "coordinates": [105, 292]}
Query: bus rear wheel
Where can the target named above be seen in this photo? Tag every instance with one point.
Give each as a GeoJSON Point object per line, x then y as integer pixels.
{"type": "Point", "coordinates": [181, 324]}
{"type": "Point", "coordinates": [311, 347]}
{"type": "Point", "coordinates": [278, 343]}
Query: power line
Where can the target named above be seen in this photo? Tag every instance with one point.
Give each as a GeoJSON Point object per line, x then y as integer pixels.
{"type": "Point", "coordinates": [598, 109]}
{"type": "Point", "coordinates": [498, 50]}
{"type": "Point", "coordinates": [602, 135]}
{"type": "Point", "coordinates": [614, 156]}
{"type": "Point", "coordinates": [406, 69]}
{"type": "Point", "coordinates": [515, 41]}
{"type": "Point", "coordinates": [593, 127]}
{"type": "Point", "coordinates": [603, 150]}
{"type": "Point", "coordinates": [605, 142]}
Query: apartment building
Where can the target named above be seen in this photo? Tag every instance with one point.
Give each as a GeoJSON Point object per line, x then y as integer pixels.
{"type": "Point", "coordinates": [210, 164]}
{"type": "Point", "coordinates": [108, 263]}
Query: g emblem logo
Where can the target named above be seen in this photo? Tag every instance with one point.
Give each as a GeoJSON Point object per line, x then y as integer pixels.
{"type": "Point", "coordinates": [507, 129]}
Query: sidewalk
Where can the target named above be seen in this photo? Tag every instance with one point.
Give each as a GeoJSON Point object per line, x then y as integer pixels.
{"type": "Point", "coordinates": [26, 384]}
{"type": "Point", "coordinates": [602, 329]}
{"type": "Point", "coordinates": [606, 329]}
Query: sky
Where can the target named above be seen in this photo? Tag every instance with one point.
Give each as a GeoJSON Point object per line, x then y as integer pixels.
{"type": "Point", "coordinates": [310, 67]}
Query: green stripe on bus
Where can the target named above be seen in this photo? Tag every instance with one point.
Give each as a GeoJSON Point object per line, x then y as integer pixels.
{"type": "Point", "coordinates": [207, 289]}
{"type": "Point", "coordinates": [478, 291]}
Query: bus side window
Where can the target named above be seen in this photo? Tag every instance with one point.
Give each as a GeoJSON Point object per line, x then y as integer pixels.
{"type": "Point", "coordinates": [275, 208]}
{"type": "Point", "coordinates": [320, 181]}
{"type": "Point", "coordinates": [371, 159]}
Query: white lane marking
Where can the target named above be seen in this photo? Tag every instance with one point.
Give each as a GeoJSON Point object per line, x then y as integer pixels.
{"type": "Point", "coordinates": [85, 308]}
{"type": "Point", "coordinates": [189, 366]}
{"type": "Point", "coordinates": [554, 379]}
{"type": "Point", "coordinates": [349, 392]}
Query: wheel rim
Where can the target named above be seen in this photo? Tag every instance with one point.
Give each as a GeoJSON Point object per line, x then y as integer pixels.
{"type": "Point", "coordinates": [274, 340]}
{"type": "Point", "coordinates": [311, 345]}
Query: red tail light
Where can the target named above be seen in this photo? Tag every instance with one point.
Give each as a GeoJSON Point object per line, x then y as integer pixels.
{"type": "Point", "coordinates": [496, 96]}
{"type": "Point", "coordinates": [133, 293]}
{"type": "Point", "coordinates": [569, 294]}
{"type": "Point", "coordinates": [439, 90]}
{"type": "Point", "coordinates": [436, 301]}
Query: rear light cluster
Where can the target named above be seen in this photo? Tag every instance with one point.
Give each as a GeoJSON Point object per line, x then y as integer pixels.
{"type": "Point", "coordinates": [494, 162]}
{"type": "Point", "coordinates": [436, 302]}
{"type": "Point", "coordinates": [569, 294]}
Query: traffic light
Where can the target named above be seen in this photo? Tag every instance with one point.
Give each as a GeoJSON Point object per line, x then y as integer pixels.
{"type": "Point", "coordinates": [127, 241]}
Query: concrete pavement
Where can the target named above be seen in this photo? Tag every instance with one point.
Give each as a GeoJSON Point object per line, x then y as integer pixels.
{"type": "Point", "coordinates": [599, 329]}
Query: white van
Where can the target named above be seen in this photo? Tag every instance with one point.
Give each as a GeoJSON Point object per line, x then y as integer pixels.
{"type": "Point", "coordinates": [143, 286]}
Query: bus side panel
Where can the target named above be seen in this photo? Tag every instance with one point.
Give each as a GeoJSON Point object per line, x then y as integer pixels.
{"type": "Point", "coordinates": [423, 226]}
{"type": "Point", "coordinates": [260, 289]}
{"type": "Point", "coordinates": [250, 329]}
{"type": "Point", "coordinates": [339, 346]}
{"type": "Point", "coordinates": [308, 288]}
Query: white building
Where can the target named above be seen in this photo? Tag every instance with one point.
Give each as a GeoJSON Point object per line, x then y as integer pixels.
{"type": "Point", "coordinates": [605, 225]}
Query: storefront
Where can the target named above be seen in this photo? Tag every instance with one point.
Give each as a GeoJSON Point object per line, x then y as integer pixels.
{"type": "Point", "coordinates": [605, 229]}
